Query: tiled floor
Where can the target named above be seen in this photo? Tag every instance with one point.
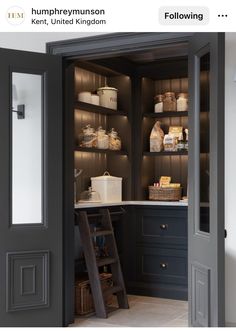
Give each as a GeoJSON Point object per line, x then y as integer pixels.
{"type": "Point", "coordinates": [144, 311]}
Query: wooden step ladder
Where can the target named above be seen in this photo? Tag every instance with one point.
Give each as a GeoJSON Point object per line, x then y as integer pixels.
{"type": "Point", "coordinates": [93, 263]}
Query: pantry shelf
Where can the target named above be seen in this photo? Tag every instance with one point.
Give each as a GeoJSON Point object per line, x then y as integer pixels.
{"type": "Point", "coordinates": [98, 109]}
{"type": "Point", "coordinates": [165, 153]}
{"type": "Point", "coordinates": [97, 150]}
{"type": "Point", "coordinates": [166, 114]}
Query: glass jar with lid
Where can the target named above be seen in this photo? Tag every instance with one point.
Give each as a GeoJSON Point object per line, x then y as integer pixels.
{"type": "Point", "coordinates": [102, 138]}
{"type": "Point", "coordinates": [158, 99]}
{"type": "Point", "coordinates": [182, 102]}
{"type": "Point", "coordinates": [89, 137]}
{"type": "Point", "coordinates": [114, 140]}
{"type": "Point", "coordinates": [169, 102]}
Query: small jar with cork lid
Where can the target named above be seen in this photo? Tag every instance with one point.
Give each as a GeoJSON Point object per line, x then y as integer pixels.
{"type": "Point", "coordinates": [182, 102]}
{"type": "Point", "coordinates": [102, 138]}
{"type": "Point", "coordinates": [158, 100]}
{"type": "Point", "coordinates": [169, 102]}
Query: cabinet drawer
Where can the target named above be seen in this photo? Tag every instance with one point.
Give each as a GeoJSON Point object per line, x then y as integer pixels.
{"type": "Point", "coordinates": [162, 265]}
{"type": "Point", "coordinates": [168, 226]}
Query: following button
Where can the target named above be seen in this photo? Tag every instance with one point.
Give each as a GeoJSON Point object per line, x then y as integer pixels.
{"type": "Point", "coordinates": [183, 15]}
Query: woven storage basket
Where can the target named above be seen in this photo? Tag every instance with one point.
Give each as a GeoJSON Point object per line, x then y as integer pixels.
{"type": "Point", "coordinates": [83, 296]}
{"type": "Point", "coordinates": [165, 193]}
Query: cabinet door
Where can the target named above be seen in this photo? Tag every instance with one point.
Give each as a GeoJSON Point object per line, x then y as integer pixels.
{"type": "Point", "coordinates": [206, 180]}
{"type": "Point", "coordinates": [30, 190]}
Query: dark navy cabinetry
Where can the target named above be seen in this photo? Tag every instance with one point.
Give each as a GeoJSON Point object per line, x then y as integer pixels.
{"type": "Point", "coordinates": [155, 247]}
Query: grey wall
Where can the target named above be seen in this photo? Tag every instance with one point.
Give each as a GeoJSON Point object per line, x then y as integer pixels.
{"type": "Point", "coordinates": [230, 178]}
{"type": "Point", "coordinates": [36, 42]}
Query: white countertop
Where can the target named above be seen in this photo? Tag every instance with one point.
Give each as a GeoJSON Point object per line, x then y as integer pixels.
{"type": "Point", "coordinates": [128, 203]}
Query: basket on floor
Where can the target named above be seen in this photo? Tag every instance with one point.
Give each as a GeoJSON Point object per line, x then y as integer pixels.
{"type": "Point", "coordinates": [165, 193]}
{"type": "Point", "coordinates": [83, 296]}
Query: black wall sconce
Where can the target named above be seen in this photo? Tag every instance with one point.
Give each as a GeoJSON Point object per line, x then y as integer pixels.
{"type": "Point", "coordinates": [20, 112]}
{"type": "Point", "coordinates": [20, 109]}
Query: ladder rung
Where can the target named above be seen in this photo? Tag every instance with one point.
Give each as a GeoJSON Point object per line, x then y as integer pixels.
{"type": "Point", "coordinates": [94, 215]}
{"type": "Point", "coordinates": [112, 290]}
{"type": "Point", "coordinates": [101, 233]}
{"type": "Point", "coordinates": [105, 260]}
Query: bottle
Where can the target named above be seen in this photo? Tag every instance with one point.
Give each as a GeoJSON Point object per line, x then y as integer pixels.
{"type": "Point", "coordinates": [186, 139]}
{"type": "Point", "coordinates": [182, 102]}
{"type": "Point", "coordinates": [180, 144]}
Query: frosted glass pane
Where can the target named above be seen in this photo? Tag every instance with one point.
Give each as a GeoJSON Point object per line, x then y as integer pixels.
{"type": "Point", "coordinates": [27, 148]}
{"type": "Point", "coordinates": [204, 140]}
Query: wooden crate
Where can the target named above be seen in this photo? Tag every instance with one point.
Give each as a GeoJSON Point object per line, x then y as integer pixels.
{"type": "Point", "coordinates": [83, 296]}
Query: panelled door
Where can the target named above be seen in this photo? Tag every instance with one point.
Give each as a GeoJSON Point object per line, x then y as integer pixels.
{"type": "Point", "coordinates": [30, 189]}
{"type": "Point", "coordinates": [206, 180]}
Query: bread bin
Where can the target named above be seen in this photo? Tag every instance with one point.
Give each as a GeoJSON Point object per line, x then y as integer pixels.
{"type": "Point", "coordinates": [109, 187]}
{"type": "Point", "coordinates": [108, 97]}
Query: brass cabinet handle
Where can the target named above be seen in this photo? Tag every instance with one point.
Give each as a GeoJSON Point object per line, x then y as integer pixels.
{"type": "Point", "coordinates": [164, 226]}
{"type": "Point", "coordinates": [163, 265]}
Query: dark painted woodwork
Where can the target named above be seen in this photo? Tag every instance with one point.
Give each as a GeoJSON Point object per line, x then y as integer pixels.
{"type": "Point", "coordinates": [166, 114]}
{"type": "Point", "coordinates": [206, 250]}
{"type": "Point", "coordinates": [114, 44]}
{"type": "Point", "coordinates": [148, 237]}
{"type": "Point", "coordinates": [68, 193]}
{"type": "Point", "coordinates": [161, 225]}
{"type": "Point", "coordinates": [162, 265]}
{"type": "Point", "coordinates": [155, 246]}
{"type": "Point", "coordinates": [99, 150]}
{"type": "Point", "coordinates": [113, 53]}
{"type": "Point", "coordinates": [164, 153]}
{"type": "Point", "coordinates": [93, 263]}
{"type": "Point", "coordinates": [95, 162]}
{"type": "Point", "coordinates": [98, 109]}
{"type": "Point", "coordinates": [31, 258]}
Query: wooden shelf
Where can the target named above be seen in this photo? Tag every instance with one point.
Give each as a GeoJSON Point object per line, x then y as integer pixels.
{"type": "Point", "coordinates": [97, 150]}
{"type": "Point", "coordinates": [165, 153]}
{"type": "Point", "coordinates": [98, 109]}
{"type": "Point", "coordinates": [167, 114]}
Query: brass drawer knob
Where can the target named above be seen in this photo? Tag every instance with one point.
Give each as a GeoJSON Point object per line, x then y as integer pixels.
{"type": "Point", "coordinates": [163, 265]}
{"type": "Point", "coordinates": [164, 226]}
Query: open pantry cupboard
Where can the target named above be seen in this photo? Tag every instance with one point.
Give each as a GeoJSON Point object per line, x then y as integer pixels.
{"type": "Point", "coordinates": [138, 79]}
{"type": "Point", "coordinates": [140, 66]}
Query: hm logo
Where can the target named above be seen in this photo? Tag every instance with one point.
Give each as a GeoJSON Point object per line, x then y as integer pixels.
{"type": "Point", "coordinates": [15, 15]}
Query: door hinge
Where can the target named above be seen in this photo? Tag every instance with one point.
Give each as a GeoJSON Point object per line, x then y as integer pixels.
{"type": "Point", "coordinates": [225, 233]}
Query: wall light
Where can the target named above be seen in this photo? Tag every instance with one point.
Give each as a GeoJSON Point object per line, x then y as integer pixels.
{"type": "Point", "coordinates": [20, 109]}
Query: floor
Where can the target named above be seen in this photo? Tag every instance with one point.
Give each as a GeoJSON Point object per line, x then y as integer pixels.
{"type": "Point", "coordinates": [144, 311]}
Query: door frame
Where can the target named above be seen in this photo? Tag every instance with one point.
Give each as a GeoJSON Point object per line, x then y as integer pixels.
{"type": "Point", "coordinates": [103, 45]}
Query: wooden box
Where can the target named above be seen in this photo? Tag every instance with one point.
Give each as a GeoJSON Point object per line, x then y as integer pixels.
{"type": "Point", "coordinates": [165, 194]}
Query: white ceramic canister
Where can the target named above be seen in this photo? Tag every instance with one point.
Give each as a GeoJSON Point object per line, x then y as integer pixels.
{"type": "Point", "coordinates": [95, 99]}
{"type": "Point", "coordinates": [85, 96]}
{"type": "Point", "coordinates": [109, 187]}
{"type": "Point", "coordinates": [108, 97]}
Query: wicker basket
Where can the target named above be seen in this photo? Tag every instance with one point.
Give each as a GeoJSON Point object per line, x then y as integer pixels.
{"type": "Point", "coordinates": [83, 296]}
{"type": "Point", "coordinates": [165, 193]}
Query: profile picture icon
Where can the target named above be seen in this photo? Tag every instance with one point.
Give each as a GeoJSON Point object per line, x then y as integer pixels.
{"type": "Point", "coordinates": [15, 15]}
